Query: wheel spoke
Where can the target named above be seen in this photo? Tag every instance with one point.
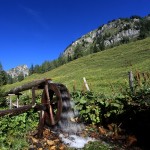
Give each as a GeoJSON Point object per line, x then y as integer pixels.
{"type": "Point", "coordinates": [51, 115]}
{"type": "Point", "coordinates": [52, 96]}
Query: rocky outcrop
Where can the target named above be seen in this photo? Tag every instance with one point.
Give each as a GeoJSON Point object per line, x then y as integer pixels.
{"type": "Point", "coordinates": [15, 72]}
{"type": "Point", "coordinates": [109, 34]}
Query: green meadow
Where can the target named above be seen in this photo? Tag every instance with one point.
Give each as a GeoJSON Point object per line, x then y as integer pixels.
{"type": "Point", "coordinates": [104, 71]}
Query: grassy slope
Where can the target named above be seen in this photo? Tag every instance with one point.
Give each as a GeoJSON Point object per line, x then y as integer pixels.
{"type": "Point", "coordinates": [102, 69]}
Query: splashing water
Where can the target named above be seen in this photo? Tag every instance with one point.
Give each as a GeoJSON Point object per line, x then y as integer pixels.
{"type": "Point", "coordinates": [75, 141]}
{"type": "Point", "coordinates": [65, 125]}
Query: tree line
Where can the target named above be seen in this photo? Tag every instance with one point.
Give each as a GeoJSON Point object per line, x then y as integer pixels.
{"type": "Point", "coordinates": [5, 78]}
{"type": "Point", "coordinates": [80, 50]}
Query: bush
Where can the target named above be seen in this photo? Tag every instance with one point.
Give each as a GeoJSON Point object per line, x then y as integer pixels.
{"type": "Point", "coordinates": [95, 108]}
{"type": "Point", "coordinates": [144, 28]}
{"type": "Point", "coordinates": [100, 109]}
{"type": "Point", "coordinates": [13, 130]}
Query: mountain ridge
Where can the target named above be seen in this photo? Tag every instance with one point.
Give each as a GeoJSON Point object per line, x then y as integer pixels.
{"type": "Point", "coordinates": [113, 33]}
{"type": "Point", "coordinates": [21, 69]}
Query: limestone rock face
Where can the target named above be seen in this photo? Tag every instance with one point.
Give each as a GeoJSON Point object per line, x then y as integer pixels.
{"type": "Point", "coordinates": [15, 72]}
{"type": "Point", "coordinates": [112, 33]}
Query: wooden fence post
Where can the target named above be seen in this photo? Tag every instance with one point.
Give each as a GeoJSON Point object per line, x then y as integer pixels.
{"type": "Point", "coordinates": [131, 81]}
{"type": "Point", "coordinates": [17, 101]}
{"type": "Point", "coordinates": [33, 95]}
{"type": "Point", "coordinates": [10, 102]}
{"type": "Point", "coordinates": [86, 85]}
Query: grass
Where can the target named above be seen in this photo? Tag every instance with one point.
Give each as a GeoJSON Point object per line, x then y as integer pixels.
{"type": "Point", "coordinates": [102, 70]}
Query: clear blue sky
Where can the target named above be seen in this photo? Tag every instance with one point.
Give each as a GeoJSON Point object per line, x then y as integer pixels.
{"type": "Point", "coordinates": [32, 31]}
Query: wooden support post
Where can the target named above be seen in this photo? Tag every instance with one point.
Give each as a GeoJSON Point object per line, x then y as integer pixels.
{"type": "Point", "coordinates": [50, 107]}
{"type": "Point", "coordinates": [33, 95]}
{"type": "Point", "coordinates": [41, 124]}
{"type": "Point", "coordinates": [131, 81]}
{"type": "Point", "coordinates": [10, 100]}
{"type": "Point", "coordinates": [17, 101]}
{"type": "Point", "coordinates": [86, 85]}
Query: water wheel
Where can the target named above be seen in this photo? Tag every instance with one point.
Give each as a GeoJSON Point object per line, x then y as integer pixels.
{"type": "Point", "coordinates": [53, 96]}
{"type": "Point", "coordinates": [55, 102]}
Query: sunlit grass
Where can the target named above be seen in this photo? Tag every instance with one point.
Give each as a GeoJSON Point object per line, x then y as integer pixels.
{"type": "Point", "coordinates": [102, 70]}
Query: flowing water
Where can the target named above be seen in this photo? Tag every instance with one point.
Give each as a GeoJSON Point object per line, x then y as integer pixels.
{"type": "Point", "coordinates": [68, 129]}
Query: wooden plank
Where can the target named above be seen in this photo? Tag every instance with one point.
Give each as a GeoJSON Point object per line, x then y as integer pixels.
{"type": "Point", "coordinates": [36, 83]}
{"type": "Point", "coordinates": [23, 109]}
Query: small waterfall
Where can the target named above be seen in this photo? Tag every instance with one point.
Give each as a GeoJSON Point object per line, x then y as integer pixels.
{"type": "Point", "coordinates": [68, 114]}
{"type": "Point", "coordinates": [66, 125]}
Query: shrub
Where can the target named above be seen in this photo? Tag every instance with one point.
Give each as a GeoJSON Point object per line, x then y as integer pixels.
{"type": "Point", "coordinates": [95, 108]}
{"type": "Point", "coordinates": [13, 130]}
{"type": "Point", "coordinates": [100, 109]}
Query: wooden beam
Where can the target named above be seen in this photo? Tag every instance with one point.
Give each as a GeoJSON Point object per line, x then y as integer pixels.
{"type": "Point", "coordinates": [23, 109]}
{"type": "Point", "coordinates": [33, 95]}
{"type": "Point", "coordinates": [37, 83]}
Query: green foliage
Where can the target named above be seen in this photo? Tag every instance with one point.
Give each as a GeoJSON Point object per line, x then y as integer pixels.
{"type": "Point", "coordinates": [95, 108]}
{"type": "Point", "coordinates": [3, 76]}
{"type": "Point", "coordinates": [125, 40]}
{"type": "Point", "coordinates": [140, 96]}
{"type": "Point", "coordinates": [99, 43]}
{"type": "Point", "coordinates": [97, 145]}
{"type": "Point", "coordinates": [135, 17]}
{"type": "Point", "coordinates": [78, 52]}
{"type": "Point", "coordinates": [20, 77]}
{"type": "Point", "coordinates": [47, 65]}
{"type": "Point", "coordinates": [31, 70]}
{"type": "Point", "coordinates": [2, 99]}
{"type": "Point", "coordinates": [9, 79]}
{"type": "Point", "coordinates": [127, 27]}
{"type": "Point", "coordinates": [100, 69]}
{"type": "Point", "coordinates": [144, 28]}
{"type": "Point", "coordinates": [13, 130]}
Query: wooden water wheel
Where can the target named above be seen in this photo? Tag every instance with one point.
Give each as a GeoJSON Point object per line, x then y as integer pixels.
{"type": "Point", "coordinates": [51, 101]}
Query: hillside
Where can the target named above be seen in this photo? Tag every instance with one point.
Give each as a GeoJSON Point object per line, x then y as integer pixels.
{"type": "Point", "coordinates": [102, 69]}
{"type": "Point", "coordinates": [113, 33]}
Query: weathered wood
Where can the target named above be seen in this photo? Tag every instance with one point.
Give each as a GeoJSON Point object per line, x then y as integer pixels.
{"type": "Point", "coordinates": [131, 82]}
{"type": "Point", "coordinates": [36, 83]}
{"type": "Point", "coordinates": [33, 95]}
{"type": "Point", "coordinates": [23, 109]}
{"type": "Point", "coordinates": [17, 101]}
{"type": "Point", "coordinates": [10, 102]}
{"type": "Point", "coordinates": [86, 85]}
{"type": "Point", "coordinates": [49, 105]}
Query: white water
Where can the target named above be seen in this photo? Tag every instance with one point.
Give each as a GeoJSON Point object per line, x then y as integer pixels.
{"type": "Point", "coordinates": [69, 128]}
{"type": "Point", "coordinates": [75, 141]}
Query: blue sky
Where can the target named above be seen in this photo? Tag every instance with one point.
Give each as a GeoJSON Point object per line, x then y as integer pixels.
{"type": "Point", "coordinates": [32, 31]}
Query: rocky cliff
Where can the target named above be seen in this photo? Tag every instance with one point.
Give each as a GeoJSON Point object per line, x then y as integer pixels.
{"type": "Point", "coordinates": [108, 35]}
{"type": "Point", "coordinates": [15, 72]}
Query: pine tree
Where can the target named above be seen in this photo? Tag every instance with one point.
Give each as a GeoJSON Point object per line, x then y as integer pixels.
{"type": "Point", "coordinates": [31, 70]}
{"type": "Point", "coordinates": [78, 52]}
{"type": "Point", "coordinates": [20, 77]}
{"type": "Point", "coordinates": [3, 76]}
